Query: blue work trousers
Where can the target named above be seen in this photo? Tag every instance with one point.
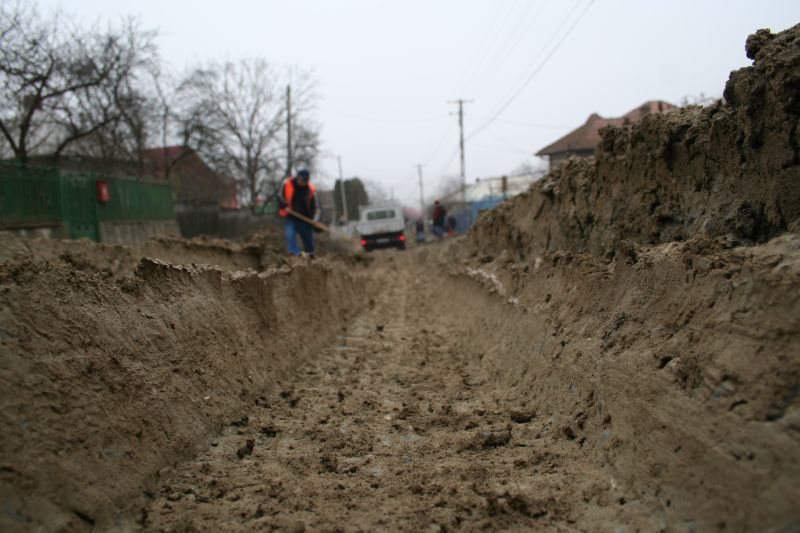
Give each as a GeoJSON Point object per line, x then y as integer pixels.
{"type": "Point", "coordinates": [294, 228]}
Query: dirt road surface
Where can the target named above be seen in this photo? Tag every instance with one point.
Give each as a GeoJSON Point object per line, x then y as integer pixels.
{"type": "Point", "coordinates": [390, 428]}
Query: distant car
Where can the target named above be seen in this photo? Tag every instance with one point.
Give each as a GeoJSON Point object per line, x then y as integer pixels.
{"type": "Point", "coordinates": [382, 227]}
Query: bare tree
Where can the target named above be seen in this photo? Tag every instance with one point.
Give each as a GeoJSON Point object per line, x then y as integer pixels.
{"type": "Point", "coordinates": [236, 119]}
{"type": "Point", "coordinates": [125, 108]}
{"type": "Point", "coordinates": [699, 99]}
{"type": "Point", "coordinates": [377, 192]}
{"type": "Point", "coordinates": [447, 186]}
{"type": "Point", "coordinates": [305, 140]}
{"type": "Point", "coordinates": [60, 84]}
{"type": "Point", "coordinates": [234, 114]}
{"type": "Point", "coordinates": [528, 167]}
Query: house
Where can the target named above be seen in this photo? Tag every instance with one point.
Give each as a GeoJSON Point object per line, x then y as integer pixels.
{"type": "Point", "coordinates": [200, 193]}
{"type": "Point", "coordinates": [193, 181]}
{"type": "Point", "coordinates": [581, 142]}
{"type": "Point", "coordinates": [484, 194]}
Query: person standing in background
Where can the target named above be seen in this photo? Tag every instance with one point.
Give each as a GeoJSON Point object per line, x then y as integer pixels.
{"type": "Point", "coordinates": [420, 227]}
{"type": "Point", "coordinates": [439, 214]}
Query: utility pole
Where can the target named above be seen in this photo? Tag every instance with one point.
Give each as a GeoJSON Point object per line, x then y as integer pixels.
{"type": "Point", "coordinates": [461, 103]}
{"type": "Point", "coordinates": [341, 188]}
{"type": "Point", "coordinates": [421, 199]}
{"type": "Point", "coordinates": [288, 131]}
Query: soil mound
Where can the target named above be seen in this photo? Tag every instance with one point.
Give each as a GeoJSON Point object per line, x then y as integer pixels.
{"type": "Point", "coordinates": [673, 369]}
{"type": "Point", "coordinates": [104, 379]}
{"type": "Point", "coordinates": [731, 168]}
{"type": "Point", "coordinates": [262, 251]}
{"type": "Point", "coordinates": [646, 303]}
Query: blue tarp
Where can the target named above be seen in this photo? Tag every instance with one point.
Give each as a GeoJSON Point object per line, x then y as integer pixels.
{"type": "Point", "coordinates": [466, 217]}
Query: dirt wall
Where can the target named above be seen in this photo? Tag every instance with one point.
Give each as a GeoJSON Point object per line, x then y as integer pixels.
{"type": "Point", "coordinates": [731, 168]}
{"type": "Point", "coordinates": [261, 251]}
{"type": "Point", "coordinates": [646, 304]}
{"type": "Point", "coordinates": [105, 379]}
{"type": "Point", "coordinates": [673, 369]}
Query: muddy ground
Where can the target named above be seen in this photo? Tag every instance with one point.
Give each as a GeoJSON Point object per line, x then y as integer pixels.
{"type": "Point", "coordinates": [616, 350]}
{"type": "Point", "coordinates": [568, 395]}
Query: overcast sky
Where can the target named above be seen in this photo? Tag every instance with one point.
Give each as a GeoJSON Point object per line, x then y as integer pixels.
{"type": "Point", "coordinates": [387, 69]}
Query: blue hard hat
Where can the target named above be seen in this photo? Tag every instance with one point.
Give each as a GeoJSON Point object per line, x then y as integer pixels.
{"type": "Point", "coordinates": [303, 173]}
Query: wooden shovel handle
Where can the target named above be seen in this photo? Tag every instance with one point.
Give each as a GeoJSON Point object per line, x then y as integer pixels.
{"type": "Point", "coordinates": [319, 225]}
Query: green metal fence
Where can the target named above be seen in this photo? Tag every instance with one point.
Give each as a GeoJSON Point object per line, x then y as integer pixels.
{"type": "Point", "coordinates": [29, 196]}
{"type": "Point", "coordinates": [137, 200]}
{"type": "Point", "coordinates": [78, 206]}
{"type": "Point", "coordinates": [40, 197]}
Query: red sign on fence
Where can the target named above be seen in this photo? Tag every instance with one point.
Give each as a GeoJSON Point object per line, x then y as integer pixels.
{"type": "Point", "coordinates": [103, 194]}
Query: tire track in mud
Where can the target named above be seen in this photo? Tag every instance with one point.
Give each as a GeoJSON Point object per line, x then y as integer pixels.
{"type": "Point", "coordinates": [393, 428]}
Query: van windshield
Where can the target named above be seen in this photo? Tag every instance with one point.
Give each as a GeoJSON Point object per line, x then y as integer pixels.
{"type": "Point", "coordinates": [380, 215]}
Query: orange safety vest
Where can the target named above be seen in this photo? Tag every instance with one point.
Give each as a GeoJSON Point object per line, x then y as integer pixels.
{"type": "Point", "coordinates": [288, 194]}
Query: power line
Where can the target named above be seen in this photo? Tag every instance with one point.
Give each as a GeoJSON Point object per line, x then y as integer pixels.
{"type": "Point", "coordinates": [461, 103]}
{"type": "Point", "coordinates": [383, 119]}
{"type": "Point", "coordinates": [526, 124]}
{"type": "Point", "coordinates": [440, 143]}
{"type": "Point", "coordinates": [533, 74]}
{"type": "Point", "coordinates": [550, 39]}
{"type": "Point", "coordinates": [449, 160]}
{"type": "Point", "coordinates": [499, 149]}
{"type": "Point", "coordinates": [514, 38]}
{"type": "Point", "coordinates": [508, 143]}
{"type": "Point", "coordinates": [480, 61]}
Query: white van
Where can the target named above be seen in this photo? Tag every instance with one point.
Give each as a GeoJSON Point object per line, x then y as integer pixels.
{"type": "Point", "coordinates": [382, 227]}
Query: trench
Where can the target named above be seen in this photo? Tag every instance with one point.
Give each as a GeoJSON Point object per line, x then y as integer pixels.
{"type": "Point", "coordinates": [396, 425]}
{"type": "Point", "coordinates": [408, 393]}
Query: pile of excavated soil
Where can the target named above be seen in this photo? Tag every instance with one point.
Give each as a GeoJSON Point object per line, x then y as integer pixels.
{"type": "Point", "coordinates": [733, 167]}
{"type": "Point", "coordinates": [108, 375]}
{"type": "Point", "coordinates": [673, 370]}
{"type": "Point", "coordinates": [648, 304]}
{"type": "Point", "coordinates": [263, 250]}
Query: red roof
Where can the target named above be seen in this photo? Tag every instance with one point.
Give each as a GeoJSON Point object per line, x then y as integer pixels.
{"type": "Point", "coordinates": [587, 136]}
{"type": "Point", "coordinates": [192, 178]}
{"type": "Point", "coordinates": [160, 159]}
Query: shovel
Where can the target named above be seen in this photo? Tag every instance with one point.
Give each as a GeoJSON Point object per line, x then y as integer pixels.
{"type": "Point", "coordinates": [318, 226]}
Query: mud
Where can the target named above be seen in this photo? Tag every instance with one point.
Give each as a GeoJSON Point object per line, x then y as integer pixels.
{"type": "Point", "coordinates": [674, 368]}
{"type": "Point", "coordinates": [106, 379]}
{"type": "Point", "coordinates": [731, 168]}
{"type": "Point", "coordinates": [393, 427]}
{"type": "Point", "coordinates": [261, 251]}
{"type": "Point", "coordinates": [616, 350]}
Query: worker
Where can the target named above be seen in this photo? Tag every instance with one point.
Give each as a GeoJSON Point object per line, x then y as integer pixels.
{"type": "Point", "coordinates": [451, 226]}
{"type": "Point", "coordinates": [299, 195]}
{"type": "Point", "coordinates": [420, 227]}
{"type": "Point", "coordinates": [439, 214]}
